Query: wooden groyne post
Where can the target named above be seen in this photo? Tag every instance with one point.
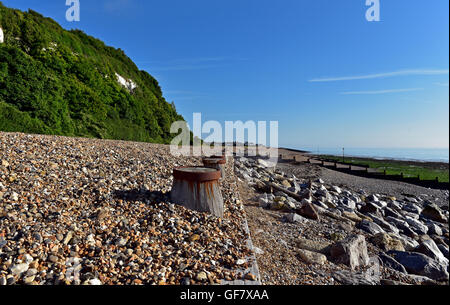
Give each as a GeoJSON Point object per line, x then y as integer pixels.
{"type": "Point", "coordinates": [197, 188]}
{"type": "Point", "coordinates": [216, 162]}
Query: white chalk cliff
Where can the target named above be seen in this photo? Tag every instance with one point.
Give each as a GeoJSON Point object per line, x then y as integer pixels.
{"type": "Point", "coordinates": [128, 84]}
{"type": "Point", "coordinates": [2, 37]}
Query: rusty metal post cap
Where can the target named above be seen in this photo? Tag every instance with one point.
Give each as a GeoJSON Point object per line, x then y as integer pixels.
{"type": "Point", "coordinates": [214, 161]}
{"type": "Point", "coordinates": [196, 173]}
{"type": "Point", "coordinates": [223, 157]}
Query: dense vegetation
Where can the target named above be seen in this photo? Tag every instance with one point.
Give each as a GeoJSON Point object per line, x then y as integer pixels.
{"type": "Point", "coordinates": [54, 81]}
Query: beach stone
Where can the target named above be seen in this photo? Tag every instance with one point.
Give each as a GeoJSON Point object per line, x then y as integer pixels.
{"type": "Point", "coordinates": [336, 236]}
{"type": "Point", "coordinates": [444, 250]}
{"type": "Point", "coordinates": [392, 213]}
{"type": "Point", "coordinates": [416, 225]}
{"type": "Point", "coordinates": [384, 224]}
{"type": "Point", "coordinates": [68, 237]}
{"type": "Point", "coordinates": [322, 191]}
{"type": "Point", "coordinates": [394, 205]}
{"type": "Point", "coordinates": [295, 218]}
{"type": "Point", "coordinates": [369, 226]}
{"type": "Point", "coordinates": [399, 223]}
{"type": "Point", "coordinates": [371, 208]}
{"type": "Point", "coordinates": [14, 196]}
{"type": "Point", "coordinates": [430, 249]}
{"type": "Point", "coordinates": [286, 184]}
{"type": "Point", "coordinates": [95, 282]}
{"type": "Point", "coordinates": [336, 189]}
{"type": "Point", "coordinates": [19, 268]}
{"type": "Point", "coordinates": [352, 251]}
{"type": "Point", "coordinates": [264, 201]}
{"type": "Point", "coordinates": [53, 258]}
{"type": "Point", "coordinates": [408, 243]}
{"type": "Point", "coordinates": [312, 257]}
{"type": "Point", "coordinates": [346, 277]}
{"type": "Point", "coordinates": [201, 276]}
{"type": "Point", "coordinates": [412, 208]}
{"type": "Point", "coordinates": [390, 262]}
{"type": "Point", "coordinates": [28, 258]}
{"type": "Point", "coordinates": [420, 264]}
{"type": "Point", "coordinates": [314, 246]}
{"type": "Point", "coordinates": [387, 242]}
{"type": "Point", "coordinates": [266, 163]}
{"type": "Point", "coordinates": [434, 229]}
{"type": "Point", "coordinates": [185, 281]}
{"type": "Point", "coordinates": [352, 216]}
{"type": "Point", "coordinates": [433, 212]}
{"type": "Point", "coordinates": [348, 203]}
{"type": "Point", "coordinates": [372, 198]}
{"type": "Point", "coordinates": [309, 211]}
{"type": "Point", "coordinates": [29, 280]}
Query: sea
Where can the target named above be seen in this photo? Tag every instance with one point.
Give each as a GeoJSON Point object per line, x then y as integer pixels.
{"type": "Point", "coordinates": [407, 154]}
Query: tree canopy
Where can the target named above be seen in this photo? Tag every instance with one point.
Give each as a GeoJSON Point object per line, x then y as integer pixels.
{"type": "Point", "coordinates": [54, 81]}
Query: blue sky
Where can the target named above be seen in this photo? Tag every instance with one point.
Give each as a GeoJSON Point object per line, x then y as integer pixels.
{"type": "Point", "coordinates": [328, 76]}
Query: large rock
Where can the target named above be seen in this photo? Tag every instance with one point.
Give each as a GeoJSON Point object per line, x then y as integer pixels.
{"type": "Point", "coordinates": [390, 262]}
{"type": "Point", "coordinates": [294, 218]}
{"type": "Point", "coordinates": [266, 163]}
{"type": "Point", "coordinates": [309, 211]}
{"type": "Point", "coordinates": [393, 213]}
{"type": "Point", "coordinates": [311, 257]}
{"type": "Point", "coordinates": [369, 226]}
{"type": "Point", "coordinates": [444, 250]}
{"type": "Point", "coordinates": [351, 251]}
{"type": "Point", "coordinates": [387, 242]}
{"type": "Point", "coordinates": [399, 223]}
{"type": "Point", "coordinates": [420, 264]}
{"type": "Point", "coordinates": [434, 229]}
{"type": "Point", "coordinates": [352, 216]}
{"type": "Point", "coordinates": [370, 207]}
{"type": "Point", "coordinates": [264, 201]}
{"type": "Point", "coordinates": [314, 246]}
{"type": "Point", "coordinates": [384, 224]}
{"type": "Point", "coordinates": [348, 203]}
{"type": "Point", "coordinates": [412, 208]}
{"type": "Point", "coordinates": [433, 212]}
{"type": "Point", "coordinates": [346, 277]}
{"type": "Point", "coordinates": [417, 226]}
{"type": "Point", "coordinates": [430, 249]}
{"type": "Point", "coordinates": [372, 198]}
{"type": "Point", "coordinates": [409, 243]}
{"type": "Point", "coordinates": [322, 191]}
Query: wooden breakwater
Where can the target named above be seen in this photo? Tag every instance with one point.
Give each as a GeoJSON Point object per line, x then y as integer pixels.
{"type": "Point", "coordinates": [363, 171]}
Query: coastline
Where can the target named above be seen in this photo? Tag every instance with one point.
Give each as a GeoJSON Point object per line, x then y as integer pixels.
{"type": "Point", "coordinates": [386, 156]}
{"type": "Point", "coordinates": [426, 170]}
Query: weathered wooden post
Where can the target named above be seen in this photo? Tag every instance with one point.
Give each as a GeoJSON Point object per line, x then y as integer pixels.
{"type": "Point", "coordinates": [217, 163]}
{"type": "Point", "coordinates": [197, 188]}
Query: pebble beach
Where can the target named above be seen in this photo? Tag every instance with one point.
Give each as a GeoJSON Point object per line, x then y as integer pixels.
{"type": "Point", "coordinates": [77, 211]}
{"type": "Point", "coordinates": [85, 211]}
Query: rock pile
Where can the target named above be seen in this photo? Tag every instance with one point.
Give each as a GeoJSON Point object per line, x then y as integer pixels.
{"type": "Point", "coordinates": [409, 237]}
